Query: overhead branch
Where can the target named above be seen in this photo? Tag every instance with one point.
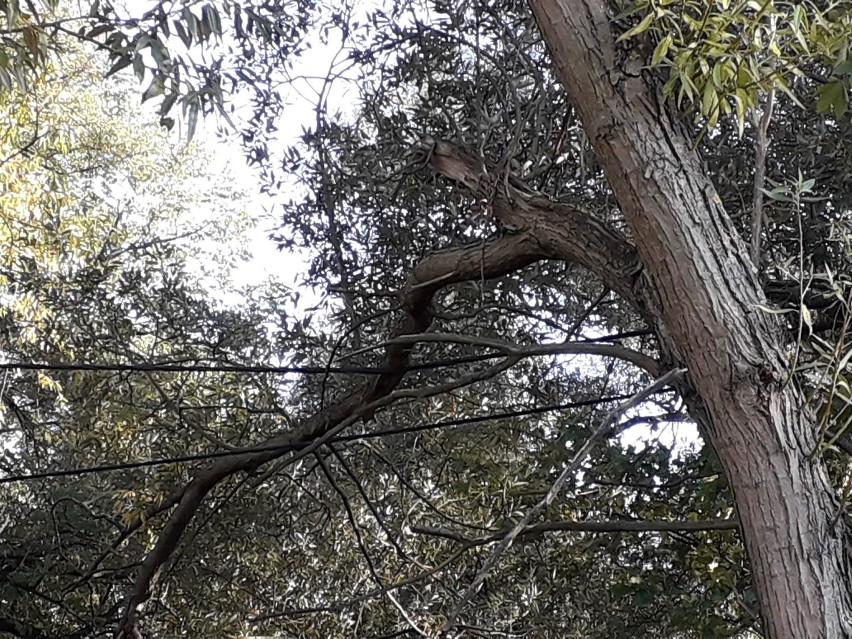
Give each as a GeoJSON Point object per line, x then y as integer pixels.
{"type": "Point", "coordinates": [565, 348]}
{"type": "Point", "coordinates": [496, 257]}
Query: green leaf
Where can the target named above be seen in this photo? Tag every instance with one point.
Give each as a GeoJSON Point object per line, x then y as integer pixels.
{"type": "Point", "coordinates": [138, 67]}
{"type": "Point", "coordinates": [159, 52]}
{"type": "Point", "coordinates": [832, 96]}
{"type": "Point", "coordinates": [643, 597]}
{"type": "Point", "coordinates": [185, 37]}
{"type": "Point", "coordinates": [782, 84]}
{"type": "Point", "coordinates": [154, 89]}
{"type": "Point", "coordinates": [779, 194]}
{"type": "Point", "coordinates": [191, 120]}
{"type": "Point", "coordinates": [740, 103]}
{"type": "Point", "coordinates": [121, 63]}
{"type": "Point", "coordinates": [211, 17]}
{"type": "Point", "coordinates": [5, 79]}
{"type": "Point", "coordinates": [629, 11]}
{"type": "Point", "coordinates": [661, 49]}
{"type": "Point", "coordinates": [639, 28]}
{"type": "Point", "coordinates": [710, 101]}
{"type": "Point", "coordinates": [191, 23]}
{"type": "Point", "coordinates": [806, 316]}
{"type": "Point", "coordinates": [168, 103]}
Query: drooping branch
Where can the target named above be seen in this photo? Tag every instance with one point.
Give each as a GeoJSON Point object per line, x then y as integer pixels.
{"type": "Point", "coordinates": [496, 257]}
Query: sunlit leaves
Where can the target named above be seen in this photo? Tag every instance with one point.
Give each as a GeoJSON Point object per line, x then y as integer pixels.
{"type": "Point", "coordinates": [162, 42]}
{"type": "Point", "coordinates": [97, 210]}
{"type": "Point", "coordinates": [721, 56]}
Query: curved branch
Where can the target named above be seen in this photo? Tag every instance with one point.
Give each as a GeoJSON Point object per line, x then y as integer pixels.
{"type": "Point", "coordinates": [565, 230]}
{"type": "Point", "coordinates": [564, 348]}
{"type": "Point", "coordinates": [496, 257]}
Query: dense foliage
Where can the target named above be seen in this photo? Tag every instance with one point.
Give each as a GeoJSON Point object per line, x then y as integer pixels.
{"type": "Point", "coordinates": [378, 531]}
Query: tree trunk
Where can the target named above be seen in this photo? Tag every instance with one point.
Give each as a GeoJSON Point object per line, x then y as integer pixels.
{"type": "Point", "coordinates": [697, 268]}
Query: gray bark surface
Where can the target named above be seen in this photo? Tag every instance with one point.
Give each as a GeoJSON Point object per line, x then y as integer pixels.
{"type": "Point", "coordinates": [698, 269]}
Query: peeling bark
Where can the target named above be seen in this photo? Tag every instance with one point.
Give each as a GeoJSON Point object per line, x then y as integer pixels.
{"type": "Point", "coordinates": [698, 268]}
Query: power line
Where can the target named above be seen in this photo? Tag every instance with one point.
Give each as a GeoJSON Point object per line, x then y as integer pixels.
{"type": "Point", "coordinates": [232, 368]}
{"type": "Point", "coordinates": [145, 463]}
{"type": "Point", "coordinates": [248, 369]}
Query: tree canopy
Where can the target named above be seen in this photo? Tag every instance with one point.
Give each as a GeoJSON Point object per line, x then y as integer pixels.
{"type": "Point", "coordinates": [452, 426]}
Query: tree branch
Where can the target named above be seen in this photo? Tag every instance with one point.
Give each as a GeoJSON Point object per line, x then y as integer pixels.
{"type": "Point", "coordinates": [565, 348]}
{"type": "Point", "coordinates": [496, 257]}
{"type": "Point", "coordinates": [565, 230]}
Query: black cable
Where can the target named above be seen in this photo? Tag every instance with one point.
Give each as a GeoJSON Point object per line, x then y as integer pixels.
{"type": "Point", "coordinates": [284, 448]}
{"type": "Point", "coordinates": [305, 370]}
{"type": "Point", "coordinates": [225, 368]}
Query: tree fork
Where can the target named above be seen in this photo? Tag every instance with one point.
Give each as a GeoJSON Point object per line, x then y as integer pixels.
{"type": "Point", "coordinates": [697, 266]}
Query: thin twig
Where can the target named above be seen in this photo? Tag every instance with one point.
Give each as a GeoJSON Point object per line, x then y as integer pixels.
{"type": "Point", "coordinates": [761, 147]}
{"type": "Point", "coordinates": [537, 530]}
{"type": "Point", "coordinates": [600, 433]}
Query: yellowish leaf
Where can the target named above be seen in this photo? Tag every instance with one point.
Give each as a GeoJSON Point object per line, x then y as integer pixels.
{"type": "Point", "coordinates": [661, 49]}
{"type": "Point", "coordinates": [639, 28]}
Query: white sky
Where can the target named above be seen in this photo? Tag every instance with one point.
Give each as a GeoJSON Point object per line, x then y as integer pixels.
{"type": "Point", "coordinates": [266, 261]}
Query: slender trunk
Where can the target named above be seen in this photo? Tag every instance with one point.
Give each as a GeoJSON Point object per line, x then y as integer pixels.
{"type": "Point", "coordinates": [699, 271]}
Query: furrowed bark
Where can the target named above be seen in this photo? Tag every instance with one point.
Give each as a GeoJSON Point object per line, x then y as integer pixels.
{"type": "Point", "coordinates": [698, 268]}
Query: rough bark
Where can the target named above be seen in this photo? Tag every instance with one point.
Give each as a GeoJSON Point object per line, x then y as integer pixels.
{"type": "Point", "coordinates": [698, 268]}
{"type": "Point", "coordinates": [564, 231]}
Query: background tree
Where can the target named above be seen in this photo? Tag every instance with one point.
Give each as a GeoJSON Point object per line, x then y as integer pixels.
{"type": "Point", "coordinates": [99, 216]}
{"type": "Point", "coordinates": [559, 258]}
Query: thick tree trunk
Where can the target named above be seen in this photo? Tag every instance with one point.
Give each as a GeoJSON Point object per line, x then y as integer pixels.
{"type": "Point", "coordinates": [698, 270]}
